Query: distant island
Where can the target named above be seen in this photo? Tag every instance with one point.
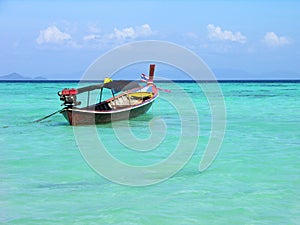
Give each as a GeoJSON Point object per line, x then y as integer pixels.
{"type": "Point", "coordinates": [16, 76]}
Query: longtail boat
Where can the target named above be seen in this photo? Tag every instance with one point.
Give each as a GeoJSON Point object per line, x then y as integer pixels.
{"type": "Point", "coordinates": [129, 99]}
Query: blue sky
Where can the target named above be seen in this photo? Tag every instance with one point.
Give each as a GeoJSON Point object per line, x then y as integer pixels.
{"type": "Point", "coordinates": [237, 39]}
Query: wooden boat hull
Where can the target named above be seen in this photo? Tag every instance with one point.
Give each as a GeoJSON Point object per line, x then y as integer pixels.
{"type": "Point", "coordinates": [77, 116]}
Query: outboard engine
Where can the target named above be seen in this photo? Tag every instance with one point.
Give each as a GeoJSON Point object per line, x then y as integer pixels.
{"type": "Point", "coordinates": [68, 96]}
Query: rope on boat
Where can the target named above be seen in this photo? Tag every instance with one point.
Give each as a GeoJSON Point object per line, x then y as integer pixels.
{"type": "Point", "coordinates": [39, 120]}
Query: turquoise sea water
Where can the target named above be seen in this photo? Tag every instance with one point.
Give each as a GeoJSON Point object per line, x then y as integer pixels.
{"type": "Point", "coordinates": [254, 180]}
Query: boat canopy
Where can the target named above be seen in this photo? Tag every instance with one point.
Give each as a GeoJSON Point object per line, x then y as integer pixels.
{"type": "Point", "coordinates": [121, 85]}
{"type": "Point", "coordinates": [116, 86]}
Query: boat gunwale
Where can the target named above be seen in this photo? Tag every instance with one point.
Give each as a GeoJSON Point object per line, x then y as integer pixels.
{"type": "Point", "coordinates": [113, 111]}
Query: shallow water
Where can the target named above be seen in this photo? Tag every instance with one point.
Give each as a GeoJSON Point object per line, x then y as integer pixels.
{"type": "Point", "coordinates": [254, 180]}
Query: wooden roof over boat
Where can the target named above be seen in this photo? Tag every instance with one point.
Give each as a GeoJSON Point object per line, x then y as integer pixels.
{"type": "Point", "coordinates": [116, 86]}
{"type": "Point", "coordinates": [121, 85]}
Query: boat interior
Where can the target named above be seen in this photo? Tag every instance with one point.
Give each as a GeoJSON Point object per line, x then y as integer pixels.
{"type": "Point", "coordinates": [122, 101]}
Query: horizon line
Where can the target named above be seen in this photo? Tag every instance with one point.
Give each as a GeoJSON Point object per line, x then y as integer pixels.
{"type": "Point", "coordinates": [159, 81]}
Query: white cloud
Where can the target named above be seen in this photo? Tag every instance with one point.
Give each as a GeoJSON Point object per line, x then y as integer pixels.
{"type": "Point", "coordinates": [96, 38]}
{"type": "Point", "coordinates": [91, 37]}
{"type": "Point", "coordinates": [273, 39]}
{"type": "Point", "coordinates": [128, 32]}
{"type": "Point", "coordinates": [216, 33]}
{"type": "Point", "coordinates": [131, 33]}
{"type": "Point", "coordinates": [52, 35]}
{"type": "Point", "coordinates": [144, 30]}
